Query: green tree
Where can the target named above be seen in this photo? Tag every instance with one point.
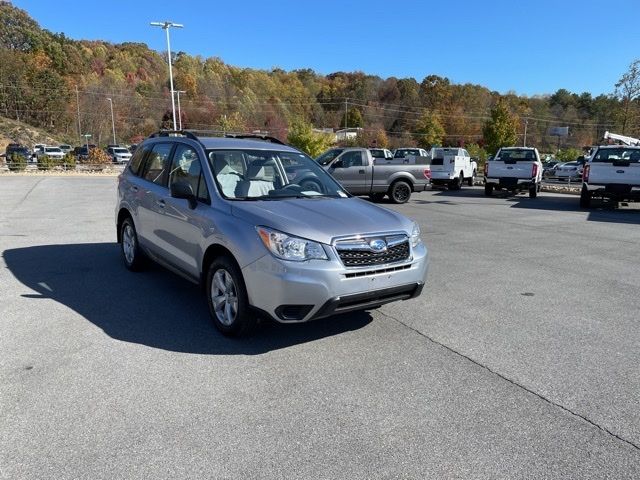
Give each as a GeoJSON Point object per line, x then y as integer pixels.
{"type": "Point", "coordinates": [429, 131]}
{"type": "Point", "coordinates": [628, 91]}
{"type": "Point", "coordinates": [302, 136]}
{"type": "Point", "coordinates": [354, 119]}
{"type": "Point", "coordinates": [501, 130]}
{"type": "Point", "coordinates": [568, 154]}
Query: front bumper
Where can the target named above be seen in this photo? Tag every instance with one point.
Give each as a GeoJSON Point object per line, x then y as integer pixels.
{"type": "Point", "coordinates": [302, 291]}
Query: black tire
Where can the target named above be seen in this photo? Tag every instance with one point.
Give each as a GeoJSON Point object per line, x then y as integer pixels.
{"type": "Point", "coordinates": [533, 191]}
{"type": "Point", "coordinates": [457, 183]}
{"type": "Point", "coordinates": [231, 296]}
{"type": "Point", "coordinates": [132, 254]}
{"type": "Point", "coordinates": [400, 192]}
{"type": "Point", "coordinates": [311, 185]}
{"type": "Point", "coordinates": [488, 190]}
{"type": "Point", "coordinates": [585, 197]}
{"type": "Point", "coordinates": [471, 180]}
{"type": "Point", "coordinates": [377, 197]}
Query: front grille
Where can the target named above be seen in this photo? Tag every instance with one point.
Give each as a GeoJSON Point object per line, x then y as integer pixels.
{"type": "Point", "coordinates": [366, 258]}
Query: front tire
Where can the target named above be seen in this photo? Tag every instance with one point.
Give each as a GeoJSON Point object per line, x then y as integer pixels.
{"type": "Point", "coordinates": [585, 197]}
{"type": "Point", "coordinates": [533, 191]}
{"type": "Point", "coordinates": [400, 192]}
{"type": "Point", "coordinates": [488, 190]}
{"type": "Point", "coordinates": [131, 253]}
{"type": "Point", "coordinates": [471, 180]}
{"type": "Point", "coordinates": [227, 299]}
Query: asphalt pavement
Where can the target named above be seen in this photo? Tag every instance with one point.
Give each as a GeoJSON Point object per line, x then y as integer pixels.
{"type": "Point", "coordinates": [520, 360]}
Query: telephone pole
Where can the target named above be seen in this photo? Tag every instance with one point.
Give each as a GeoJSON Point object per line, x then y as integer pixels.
{"type": "Point", "coordinates": [526, 123]}
{"type": "Point", "coordinates": [78, 105]}
{"type": "Point", "coordinates": [346, 116]}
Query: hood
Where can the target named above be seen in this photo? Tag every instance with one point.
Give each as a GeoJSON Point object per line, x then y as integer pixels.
{"type": "Point", "coordinates": [321, 219]}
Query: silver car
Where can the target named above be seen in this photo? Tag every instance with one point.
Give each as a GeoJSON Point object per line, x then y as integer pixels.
{"type": "Point", "coordinates": [264, 229]}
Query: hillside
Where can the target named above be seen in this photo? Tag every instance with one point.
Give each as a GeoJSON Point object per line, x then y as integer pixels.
{"type": "Point", "coordinates": [42, 70]}
{"type": "Point", "coordinates": [19, 132]}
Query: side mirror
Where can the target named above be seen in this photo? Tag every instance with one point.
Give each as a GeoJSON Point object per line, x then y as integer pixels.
{"type": "Point", "coordinates": [182, 189]}
{"type": "Point", "coordinates": [338, 164]}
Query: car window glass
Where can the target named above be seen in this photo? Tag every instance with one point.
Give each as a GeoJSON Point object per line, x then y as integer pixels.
{"type": "Point", "coordinates": [352, 159]}
{"type": "Point", "coordinates": [136, 160]}
{"type": "Point", "coordinates": [156, 164]}
{"type": "Point", "coordinates": [186, 167]}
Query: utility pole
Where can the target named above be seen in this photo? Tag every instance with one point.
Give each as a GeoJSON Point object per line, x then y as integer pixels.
{"type": "Point", "coordinates": [113, 124]}
{"type": "Point", "coordinates": [526, 123]}
{"type": "Point", "coordinates": [346, 116]}
{"type": "Point", "coordinates": [165, 26]}
{"type": "Point", "coordinates": [78, 105]}
{"type": "Point", "coordinates": [178, 92]}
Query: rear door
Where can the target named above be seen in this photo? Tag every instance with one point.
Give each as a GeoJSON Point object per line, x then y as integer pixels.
{"type": "Point", "coordinates": [353, 171]}
{"type": "Point", "coordinates": [152, 193]}
{"type": "Point", "coordinates": [512, 163]}
{"type": "Point", "coordinates": [615, 166]}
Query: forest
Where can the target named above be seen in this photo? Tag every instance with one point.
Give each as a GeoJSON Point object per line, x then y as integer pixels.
{"type": "Point", "coordinates": [61, 85]}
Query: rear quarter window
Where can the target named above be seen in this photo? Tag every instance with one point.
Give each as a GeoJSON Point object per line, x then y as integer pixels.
{"type": "Point", "coordinates": [137, 159]}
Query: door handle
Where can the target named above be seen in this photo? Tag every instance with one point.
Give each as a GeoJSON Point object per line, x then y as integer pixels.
{"type": "Point", "coordinates": [161, 203]}
{"type": "Point", "coordinates": [360, 171]}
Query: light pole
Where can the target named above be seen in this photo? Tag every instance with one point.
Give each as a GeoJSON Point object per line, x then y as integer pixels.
{"type": "Point", "coordinates": [166, 26]}
{"type": "Point", "coordinates": [178, 92]}
{"type": "Point", "coordinates": [113, 125]}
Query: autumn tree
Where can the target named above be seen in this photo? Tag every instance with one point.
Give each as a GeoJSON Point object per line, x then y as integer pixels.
{"type": "Point", "coordinates": [628, 91]}
{"type": "Point", "coordinates": [429, 131]}
{"type": "Point", "coordinates": [302, 136]}
{"type": "Point", "coordinates": [501, 129]}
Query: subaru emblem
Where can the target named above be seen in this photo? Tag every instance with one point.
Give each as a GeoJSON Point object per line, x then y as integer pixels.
{"type": "Point", "coordinates": [378, 245]}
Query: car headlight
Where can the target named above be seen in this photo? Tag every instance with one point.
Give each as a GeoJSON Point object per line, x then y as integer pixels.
{"type": "Point", "coordinates": [415, 235]}
{"type": "Point", "coordinates": [288, 247]}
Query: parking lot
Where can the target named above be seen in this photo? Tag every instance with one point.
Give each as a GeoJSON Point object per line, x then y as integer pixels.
{"type": "Point", "coordinates": [520, 359]}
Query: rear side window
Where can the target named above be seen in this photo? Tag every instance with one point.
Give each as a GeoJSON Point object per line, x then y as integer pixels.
{"type": "Point", "coordinates": [136, 160]}
{"type": "Point", "coordinates": [611, 155]}
{"type": "Point", "coordinates": [155, 168]}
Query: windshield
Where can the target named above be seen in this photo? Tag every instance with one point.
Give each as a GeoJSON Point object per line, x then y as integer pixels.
{"type": "Point", "coordinates": [516, 155]}
{"type": "Point", "coordinates": [270, 175]}
{"type": "Point", "coordinates": [52, 150]}
{"type": "Point", "coordinates": [404, 152]}
{"type": "Point", "coordinates": [621, 154]}
{"type": "Point", "coordinates": [120, 150]}
{"type": "Point", "coordinates": [328, 156]}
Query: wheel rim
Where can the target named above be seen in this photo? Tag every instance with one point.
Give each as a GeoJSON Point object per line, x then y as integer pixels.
{"type": "Point", "coordinates": [129, 243]}
{"type": "Point", "coordinates": [224, 297]}
{"type": "Point", "coordinates": [401, 193]}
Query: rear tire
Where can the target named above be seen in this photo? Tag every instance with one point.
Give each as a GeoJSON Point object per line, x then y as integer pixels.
{"type": "Point", "coordinates": [471, 180]}
{"type": "Point", "coordinates": [488, 190]}
{"type": "Point", "coordinates": [457, 183]}
{"type": "Point", "coordinates": [533, 191]}
{"type": "Point", "coordinates": [585, 197]}
{"type": "Point", "coordinates": [400, 192]}
{"type": "Point", "coordinates": [227, 299]}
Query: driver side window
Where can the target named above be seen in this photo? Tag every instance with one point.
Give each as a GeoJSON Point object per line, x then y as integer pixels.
{"type": "Point", "coordinates": [352, 159]}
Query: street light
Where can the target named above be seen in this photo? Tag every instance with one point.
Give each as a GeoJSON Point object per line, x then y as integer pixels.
{"type": "Point", "coordinates": [179, 109]}
{"type": "Point", "coordinates": [166, 26]}
{"type": "Point", "coordinates": [113, 125]}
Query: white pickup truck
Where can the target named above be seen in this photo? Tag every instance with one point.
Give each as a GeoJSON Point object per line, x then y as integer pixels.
{"type": "Point", "coordinates": [452, 167]}
{"type": "Point", "coordinates": [612, 172]}
{"type": "Point", "coordinates": [514, 169]}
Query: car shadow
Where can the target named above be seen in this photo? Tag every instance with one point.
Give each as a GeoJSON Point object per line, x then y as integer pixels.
{"type": "Point", "coordinates": [600, 211]}
{"type": "Point", "coordinates": [154, 307]}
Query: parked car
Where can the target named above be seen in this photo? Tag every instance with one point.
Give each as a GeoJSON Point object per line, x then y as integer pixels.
{"type": "Point", "coordinates": [65, 148]}
{"type": "Point", "coordinates": [549, 168]}
{"type": "Point", "coordinates": [132, 148]}
{"type": "Point", "coordinates": [569, 171]}
{"type": "Point", "coordinates": [381, 154]}
{"type": "Point", "coordinates": [514, 169]}
{"type": "Point", "coordinates": [452, 167]}
{"type": "Point", "coordinates": [222, 213]}
{"type": "Point", "coordinates": [52, 152]}
{"type": "Point", "coordinates": [82, 153]}
{"type": "Point", "coordinates": [118, 154]}
{"type": "Point", "coordinates": [16, 149]}
{"type": "Point", "coordinates": [38, 148]}
{"type": "Point", "coordinates": [355, 169]}
{"type": "Point", "coordinates": [612, 172]}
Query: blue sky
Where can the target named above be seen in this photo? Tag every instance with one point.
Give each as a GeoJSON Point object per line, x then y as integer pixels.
{"type": "Point", "coordinates": [530, 47]}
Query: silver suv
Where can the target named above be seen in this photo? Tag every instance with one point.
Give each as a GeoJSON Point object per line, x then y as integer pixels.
{"type": "Point", "coordinates": [264, 229]}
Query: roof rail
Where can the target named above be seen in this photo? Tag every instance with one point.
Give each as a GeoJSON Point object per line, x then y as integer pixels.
{"type": "Point", "coordinates": [168, 133]}
{"type": "Point", "coordinates": [249, 136]}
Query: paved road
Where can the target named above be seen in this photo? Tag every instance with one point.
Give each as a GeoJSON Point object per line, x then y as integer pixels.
{"type": "Point", "coordinates": [520, 360]}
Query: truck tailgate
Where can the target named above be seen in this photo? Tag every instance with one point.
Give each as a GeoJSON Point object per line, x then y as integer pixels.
{"type": "Point", "coordinates": [622, 174]}
{"type": "Point", "coordinates": [517, 169]}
